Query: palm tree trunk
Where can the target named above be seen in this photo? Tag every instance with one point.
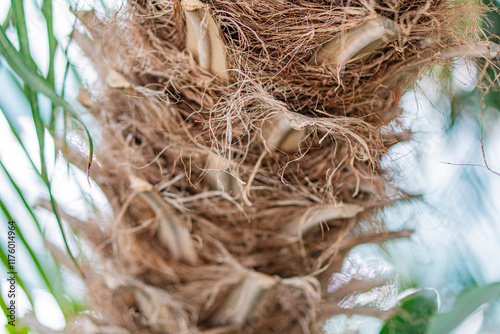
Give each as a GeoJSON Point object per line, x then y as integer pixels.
{"type": "Point", "coordinates": [241, 149]}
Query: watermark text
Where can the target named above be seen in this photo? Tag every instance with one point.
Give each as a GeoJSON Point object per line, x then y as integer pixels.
{"type": "Point", "coordinates": [11, 274]}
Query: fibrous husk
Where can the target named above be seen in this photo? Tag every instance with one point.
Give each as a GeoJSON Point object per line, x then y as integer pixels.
{"type": "Point", "coordinates": [271, 161]}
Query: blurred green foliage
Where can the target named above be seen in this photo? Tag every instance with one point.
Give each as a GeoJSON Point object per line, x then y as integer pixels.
{"type": "Point", "coordinates": [413, 313]}
{"type": "Point", "coordinates": [466, 304]}
{"type": "Point", "coordinates": [418, 313]}
{"type": "Point", "coordinates": [32, 87]}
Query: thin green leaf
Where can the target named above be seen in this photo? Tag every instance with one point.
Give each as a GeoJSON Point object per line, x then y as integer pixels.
{"type": "Point", "coordinates": [8, 19]}
{"type": "Point", "coordinates": [32, 254]}
{"type": "Point", "coordinates": [47, 14]}
{"type": "Point", "coordinates": [53, 286]}
{"type": "Point", "coordinates": [19, 17]}
{"type": "Point", "coordinates": [14, 131]}
{"type": "Point", "coordinates": [25, 55]}
{"type": "Point", "coordinates": [468, 302]}
{"type": "Point", "coordinates": [18, 138]}
{"type": "Point", "coordinates": [68, 63]}
{"type": "Point", "coordinates": [63, 233]}
{"type": "Point", "coordinates": [21, 196]}
{"type": "Point", "coordinates": [39, 84]}
{"type": "Point", "coordinates": [50, 285]}
{"type": "Point", "coordinates": [65, 78]}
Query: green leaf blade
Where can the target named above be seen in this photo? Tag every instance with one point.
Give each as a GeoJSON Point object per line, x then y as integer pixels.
{"type": "Point", "coordinates": [466, 304]}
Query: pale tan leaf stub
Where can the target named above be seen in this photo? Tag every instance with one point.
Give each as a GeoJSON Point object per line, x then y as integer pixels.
{"type": "Point", "coordinates": [279, 134]}
{"type": "Point", "coordinates": [173, 232]}
{"type": "Point", "coordinates": [316, 216]}
{"type": "Point", "coordinates": [203, 38]}
{"type": "Point", "coordinates": [357, 42]}
{"type": "Point", "coordinates": [243, 299]}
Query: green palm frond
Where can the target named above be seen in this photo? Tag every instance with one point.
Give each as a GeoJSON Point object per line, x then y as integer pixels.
{"type": "Point", "coordinates": [32, 88]}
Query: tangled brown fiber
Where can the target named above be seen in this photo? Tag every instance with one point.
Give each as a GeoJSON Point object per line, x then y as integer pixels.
{"type": "Point", "coordinates": [247, 264]}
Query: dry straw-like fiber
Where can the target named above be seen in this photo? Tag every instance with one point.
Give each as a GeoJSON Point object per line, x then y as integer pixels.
{"type": "Point", "coordinates": [269, 168]}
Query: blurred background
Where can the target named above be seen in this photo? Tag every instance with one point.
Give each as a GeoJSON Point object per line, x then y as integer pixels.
{"type": "Point", "coordinates": [454, 249]}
